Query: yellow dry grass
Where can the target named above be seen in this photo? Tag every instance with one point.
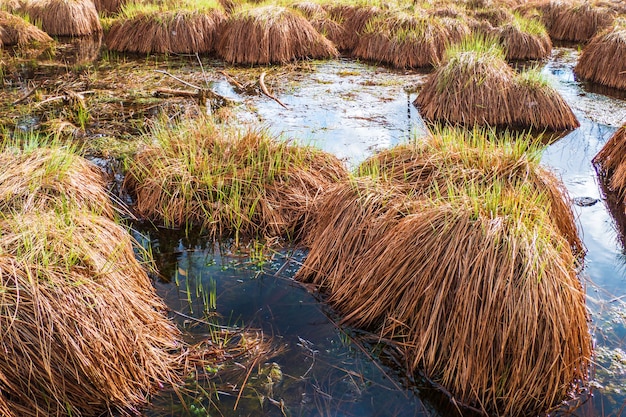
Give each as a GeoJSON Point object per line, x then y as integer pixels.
{"type": "Point", "coordinates": [271, 34]}
{"type": "Point", "coordinates": [603, 60]}
{"type": "Point", "coordinates": [455, 250]}
{"type": "Point", "coordinates": [16, 31]}
{"type": "Point", "coordinates": [65, 17]}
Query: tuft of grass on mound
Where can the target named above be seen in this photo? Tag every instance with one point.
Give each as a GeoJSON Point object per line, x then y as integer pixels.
{"type": "Point", "coordinates": [230, 182]}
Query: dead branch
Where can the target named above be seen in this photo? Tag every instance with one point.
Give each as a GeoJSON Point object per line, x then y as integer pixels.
{"type": "Point", "coordinates": [25, 96]}
{"type": "Point", "coordinates": [266, 92]}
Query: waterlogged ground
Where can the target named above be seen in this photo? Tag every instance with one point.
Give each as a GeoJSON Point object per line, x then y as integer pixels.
{"type": "Point", "coordinates": [352, 109]}
{"type": "Point", "coordinates": [306, 364]}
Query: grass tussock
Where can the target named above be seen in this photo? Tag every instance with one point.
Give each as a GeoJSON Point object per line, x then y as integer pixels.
{"type": "Point", "coordinates": [42, 179]}
{"type": "Point", "coordinates": [575, 21]}
{"type": "Point", "coordinates": [16, 31]}
{"type": "Point", "coordinates": [354, 19]}
{"type": "Point", "coordinates": [454, 248]}
{"type": "Point", "coordinates": [324, 23]}
{"type": "Point", "coordinates": [230, 182]}
{"type": "Point", "coordinates": [482, 296]}
{"type": "Point", "coordinates": [478, 157]}
{"type": "Point", "coordinates": [65, 17]}
{"type": "Point", "coordinates": [271, 34]}
{"type": "Point", "coordinates": [408, 40]}
{"type": "Point", "coordinates": [153, 29]}
{"type": "Point", "coordinates": [524, 38]}
{"type": "Point", "coordinates": [475, 86]}
{"type": "Point", "coordinates": [603, 60]}
{"type": "Point", "coordinates": [611, 163]}
{"type": "Point", "coordinates": [83, 330]}
{"type": "Point", "coordinates": [108, 7]}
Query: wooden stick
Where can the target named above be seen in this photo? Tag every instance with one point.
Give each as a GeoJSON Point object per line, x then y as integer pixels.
{"type": "Point", "coordinates": [267, 93]}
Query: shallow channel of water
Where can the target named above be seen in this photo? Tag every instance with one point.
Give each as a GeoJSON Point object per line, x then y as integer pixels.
{"type": "Point", "coordinates": [353, 109]}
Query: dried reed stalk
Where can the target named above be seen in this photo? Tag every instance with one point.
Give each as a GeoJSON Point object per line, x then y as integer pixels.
{"type": "Point", "coordinates": [408, 41]}
{"type": "Point", "coordinates": [16, 31]}
{"type": "Point", "coordinates": [180, 31]}
{"type": "Point", "coordinates": [83, 330]}
{"type": "Point", "coordinates": [603, 60]}
{"type": "Point", "coordinates": [230, 182]}
{"type": "Point", "coordinates": [65, 17]}
{"type": "Point", "coordinates": [271, 34]}
{"type": "Point", "coordinates": [47, 178]}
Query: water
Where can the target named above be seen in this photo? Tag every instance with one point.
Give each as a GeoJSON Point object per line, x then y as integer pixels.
{"type": "Point", "coordinates": [352, 109]}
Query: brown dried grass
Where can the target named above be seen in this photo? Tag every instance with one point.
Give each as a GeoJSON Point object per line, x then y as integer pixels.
{"type": "Point", "coordinates": [47, 178]}
{"type": "Point", "coordinates": [271, 34]}
{"type": "Point", "coordinates": [10, 5]}
{"type": "Point", "coordinates": [65, 17]}
{"type": "Point", "coordinates": [575, 21]}
{"type": "Point", "coordinates": [486, 304]}
{"type": "Point", "coordinates": [230, 182]}
{"type": "Point", "coordinates": [354, 19]}
{"type": "Point", "coordinates": [108, 7]}
{"type": "Point", "coordinates": [16, 31]}
{"type": "Point", "coordinates": [611, 164]}
{"type": "Point", "coordinates": [521, 44]}
{"type": "Point", "coordinates": [163, 31]}
{"type": "Point", "coordinates": [475, 86]}
{"type": "Point", "coordinates": [350, 218]}
{"type": "Point", "coordinates": [322, 21]}
{"type": "Point", "coordinates": [407, 40]}
{"type": "Point", "coordinates": [603, 60]}
{"type": "Point", "coordinates": [459, 157]}
{"type": "Point", "coordinates": [83, 330]}
{"type": "Point", "coordinates": [540, 105]}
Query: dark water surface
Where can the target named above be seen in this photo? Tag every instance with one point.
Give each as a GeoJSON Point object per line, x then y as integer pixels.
{"type": "Point", "coordinates": [352, 109]}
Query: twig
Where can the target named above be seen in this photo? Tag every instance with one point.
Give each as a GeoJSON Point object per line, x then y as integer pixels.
{"type": "Point", "coordinates": [65, 97]}
{"type": "Point", "coordinates": [267, 93]}
{"type": "Point", "coordinates": [28, 94]}
{"type": "Point", "coordinates": [177, 93]}
{"type": "Point", "coordinates": [232, 80]}
{"type": "Point", "coordinates": [179, 80]}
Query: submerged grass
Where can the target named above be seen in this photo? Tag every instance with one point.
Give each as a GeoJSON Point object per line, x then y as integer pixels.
{"type": "Point", "coordinates": [230, 182]}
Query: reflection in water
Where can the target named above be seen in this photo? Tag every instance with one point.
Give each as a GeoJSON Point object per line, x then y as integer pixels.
{"type": "Point", "coordinates": [324, 370]}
